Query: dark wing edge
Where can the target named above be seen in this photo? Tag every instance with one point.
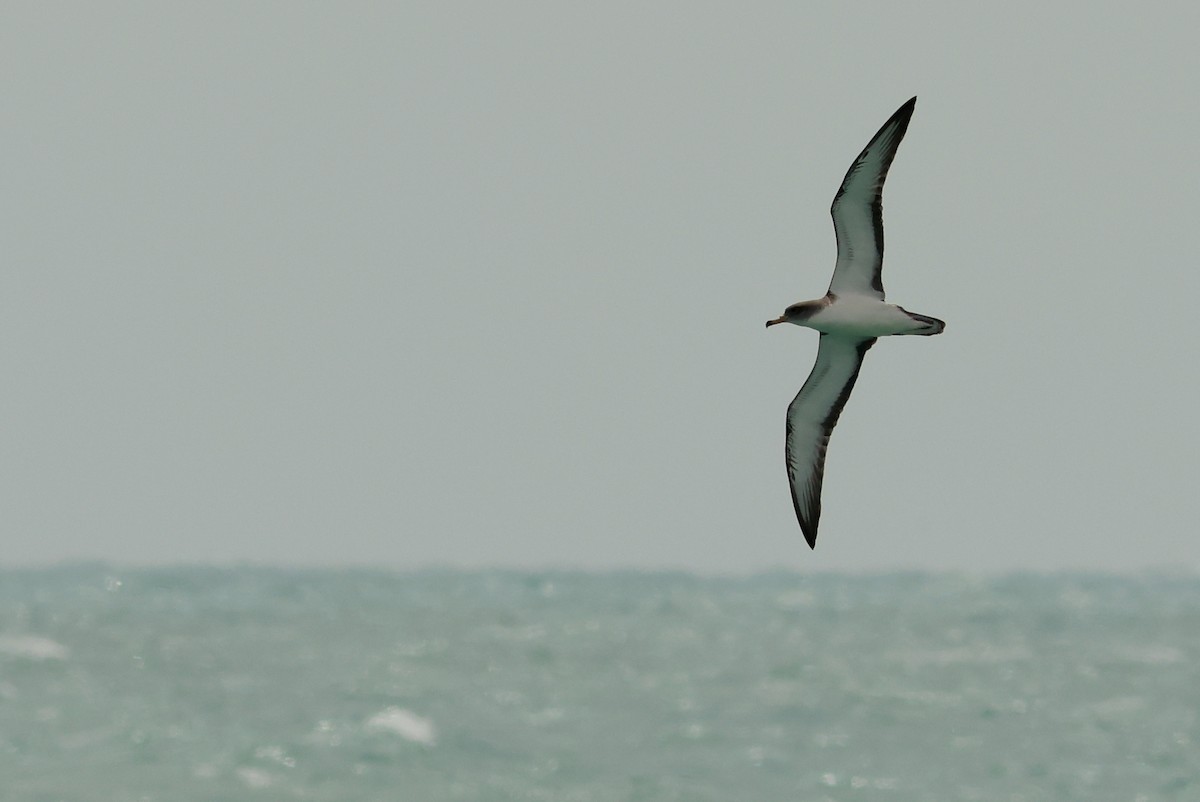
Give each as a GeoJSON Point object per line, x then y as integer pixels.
{"type": "Point", "coordinates": [865, 191]}
{"type": "Point", "coordinates": [810, 420]}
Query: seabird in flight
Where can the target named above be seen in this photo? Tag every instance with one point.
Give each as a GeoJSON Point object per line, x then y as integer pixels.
{"type": "Point", "coordinates": [850, 317]}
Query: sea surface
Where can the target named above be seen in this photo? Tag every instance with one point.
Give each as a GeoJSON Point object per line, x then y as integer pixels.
{"type": "Point", "coordinates": [260, 684]}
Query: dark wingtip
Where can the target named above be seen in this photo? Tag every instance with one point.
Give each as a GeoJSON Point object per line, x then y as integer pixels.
{"type": "Point", "coordinates": [807, 525]}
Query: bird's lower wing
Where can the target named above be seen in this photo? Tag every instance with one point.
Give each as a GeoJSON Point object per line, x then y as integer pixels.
{"type": "Point", "coordinates": [810, 419]}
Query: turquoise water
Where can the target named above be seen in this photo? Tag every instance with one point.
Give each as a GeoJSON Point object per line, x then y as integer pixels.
{"type": "Point", "coordinates": [247, 684]}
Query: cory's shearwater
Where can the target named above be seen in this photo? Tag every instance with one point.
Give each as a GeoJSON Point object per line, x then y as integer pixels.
{"type": "Point", "coordinates": [850, 317]}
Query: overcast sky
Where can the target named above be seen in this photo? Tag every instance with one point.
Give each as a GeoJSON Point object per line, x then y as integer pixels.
{"type": "Point", "coordinates": [484, 284]}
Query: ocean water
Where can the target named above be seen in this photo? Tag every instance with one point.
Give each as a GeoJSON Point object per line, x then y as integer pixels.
{"type": "Point", "coordinates": [258, 684]}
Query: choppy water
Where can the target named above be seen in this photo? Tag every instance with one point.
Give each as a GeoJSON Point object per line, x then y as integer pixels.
{"type": "Point", "coordinates": [203, 684]}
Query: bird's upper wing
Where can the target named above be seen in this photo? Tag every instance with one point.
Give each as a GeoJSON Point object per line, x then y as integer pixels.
{"type": "Point", "coordinates": [858, 211]}
{"type": "Point", "coordinates": [811, 418]}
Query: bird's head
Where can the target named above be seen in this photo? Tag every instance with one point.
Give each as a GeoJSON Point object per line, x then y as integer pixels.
{"type": "Point", "coordinates": [797, 313]}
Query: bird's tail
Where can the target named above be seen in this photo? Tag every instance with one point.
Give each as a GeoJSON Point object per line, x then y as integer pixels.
{"type": "Point", "coordinates": [929, 325]}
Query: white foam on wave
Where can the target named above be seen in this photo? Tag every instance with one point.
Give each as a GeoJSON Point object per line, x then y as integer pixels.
{"type": "Point", "coordinates": [405, 723]}
{"type": "Point", "coordinates": [32, 647]}
{"type": "Point", "coordinates": [254, 778]}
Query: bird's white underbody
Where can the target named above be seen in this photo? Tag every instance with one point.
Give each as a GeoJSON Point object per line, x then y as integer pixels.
{"type": "Point", "coordinates": [859, 316]}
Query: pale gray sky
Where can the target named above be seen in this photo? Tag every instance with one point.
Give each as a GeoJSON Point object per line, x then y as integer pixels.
{"type": "Point", "coordinates": [485, 284]}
